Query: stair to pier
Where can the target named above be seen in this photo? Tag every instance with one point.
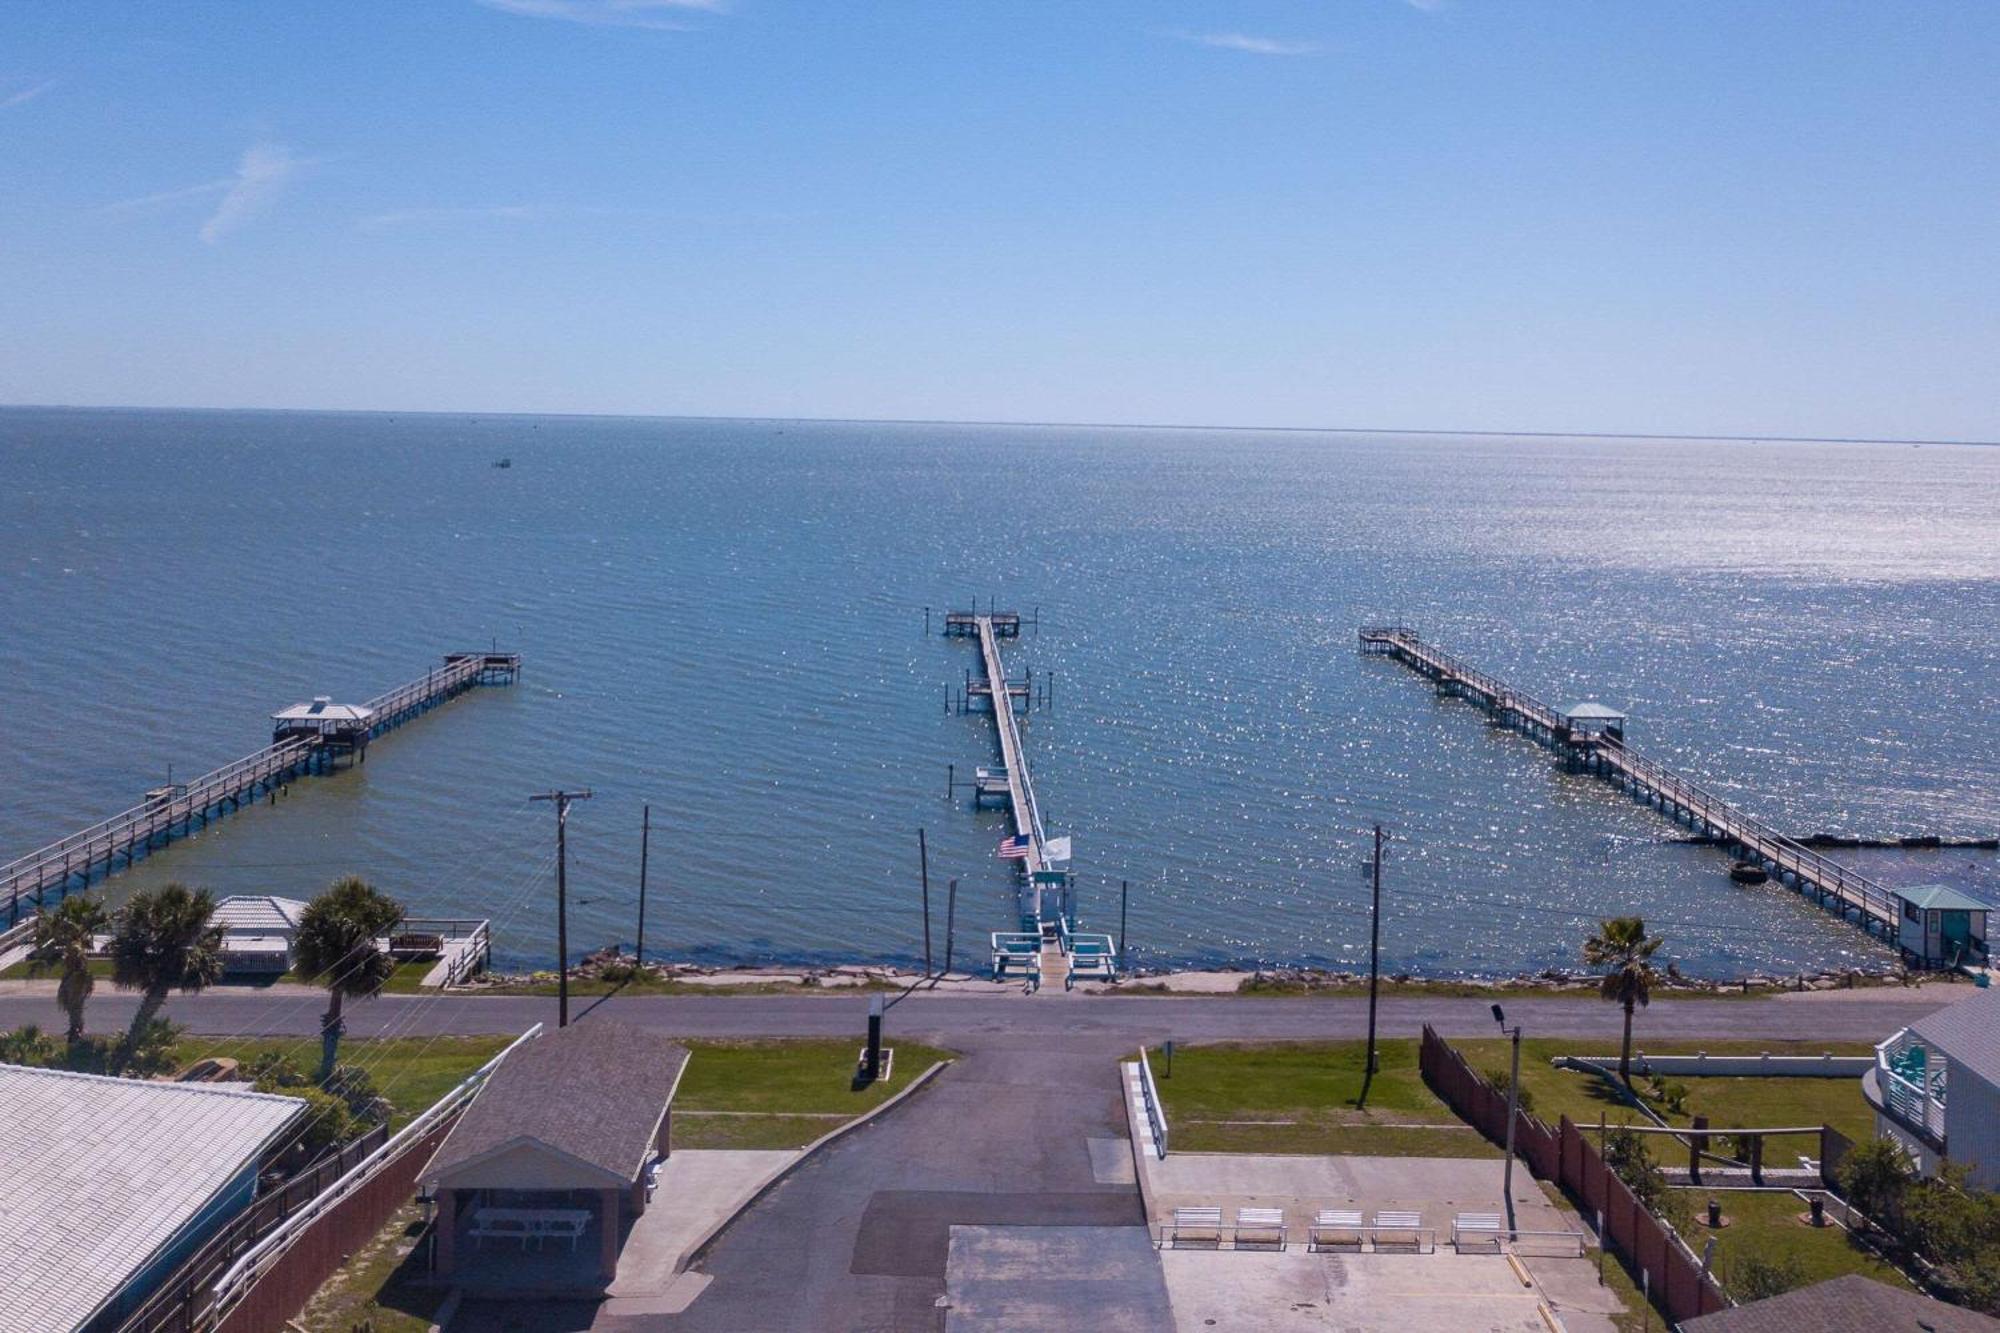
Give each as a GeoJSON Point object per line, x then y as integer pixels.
{"type": "Point", "coordinates": [1055, 966]}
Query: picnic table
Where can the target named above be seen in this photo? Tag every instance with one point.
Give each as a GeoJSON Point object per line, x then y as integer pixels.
{"type": "Point", "coordinates": [536, 1224]}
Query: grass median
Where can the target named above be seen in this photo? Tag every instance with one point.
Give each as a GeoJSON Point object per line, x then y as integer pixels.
{"type": "Point", "coordinates": [1306, 1097]}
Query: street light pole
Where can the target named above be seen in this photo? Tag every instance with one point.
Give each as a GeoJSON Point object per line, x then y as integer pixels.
{"type": "Point", "coordinates": [1513, 1114]}
{"type": "Point", "coordinates": [562, 800]}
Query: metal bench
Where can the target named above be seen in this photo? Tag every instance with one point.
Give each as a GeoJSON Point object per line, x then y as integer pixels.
{"type": "Point", "coordinates": [1477, 1228]}
{"type": "Point", "coordinates": [1206, 1223]}
{"type": "Point", "coordinates": [1403, 1231]}
{"type": "Point", "coordinates": [1333, 1229]}
{"type": "Point", "coordinates": [1261, 1226]}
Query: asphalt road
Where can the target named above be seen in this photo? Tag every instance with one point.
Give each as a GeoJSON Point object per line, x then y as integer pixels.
{"type": "Point", "coordinates": [1832, 1016]}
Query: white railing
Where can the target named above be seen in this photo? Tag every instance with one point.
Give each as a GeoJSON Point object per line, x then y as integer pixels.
{"type": "Point", "coordinates": [1920, 1105]}
{"type": "Point", "coordinates": [257, 1260]}
{"type": "Point", "coordinates": [1156, 1114]}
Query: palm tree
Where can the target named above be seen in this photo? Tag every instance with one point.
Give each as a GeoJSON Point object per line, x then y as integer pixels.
{"type": "Point", "coordinates": [164, 942]}
{"type": "Point", "coordinates": [67, 933]}
{"type": "Point", "coordinates": [1621, 947]}
{"type": "Point", "coordinates": [336, 947]}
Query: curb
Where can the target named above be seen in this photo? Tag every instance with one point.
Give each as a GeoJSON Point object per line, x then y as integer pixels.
{"type": "Point", "coordinates": [1139, 1172]}
{"type": "Point", "coordinates": [447, 1311]}
{"type": "Point", "coordinates": [693, 1250]}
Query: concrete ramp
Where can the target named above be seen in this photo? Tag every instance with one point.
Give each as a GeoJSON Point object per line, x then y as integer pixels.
{"type": "Point", "coordinates": [1106, 1279]}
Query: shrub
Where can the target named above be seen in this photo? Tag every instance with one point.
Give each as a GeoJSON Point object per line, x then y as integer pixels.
{"type": "Point", "coordinates": [1752, 1277]}
{"type": "Point", "coordinates": [1873, 1177]}
{"type": "Point", "coordinates": [29, 1045]}
{"type": "Point", "coordinates": [355, 1087]}
{"type": "Point", "coordinates": [1499, 1078]}
{"type": "Point", "coordinates": [273, 1071]}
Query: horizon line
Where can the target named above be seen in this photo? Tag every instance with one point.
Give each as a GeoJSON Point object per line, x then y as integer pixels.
{"type": "Point", "coordinates": [1027, 424]}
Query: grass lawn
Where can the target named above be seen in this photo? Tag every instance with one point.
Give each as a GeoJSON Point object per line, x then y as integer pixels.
{"type": "Point", "coordinates": [28, 970]}
{"type": "Point", "coordinates": [781, 1094]}
{"type": "Point", "coordinates": [378, 1288]}
{"type": "Point", "coordinates": [1303, 1097]}
{"type": "Point", "coordinates": [1765, 1224]}
{"type": "Point", "coordinates": [1727, 1102]}
{"type": "Point", "coordinates": [412, 1072]}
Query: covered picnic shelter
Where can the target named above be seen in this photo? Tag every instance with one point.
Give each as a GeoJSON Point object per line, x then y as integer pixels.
{"type": "Point", "coordinates": [544, 1173]}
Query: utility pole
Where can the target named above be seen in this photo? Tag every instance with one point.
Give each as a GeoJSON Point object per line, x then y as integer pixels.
{"type": "Point", "coordinates": [950, 921]}
{"type": "Point", "coordinates": [924, 868]}
{"type": "Point", "coordinates": [1513, 1113]}
{"type": "Point", "coordinates": [562, 800]}
{"type": "Point", "coordinates": [1124, 958]}
{"type": "Point", "coordinates": [1375, 954]}
{"type": "Point", "coordinates": [645, 837]}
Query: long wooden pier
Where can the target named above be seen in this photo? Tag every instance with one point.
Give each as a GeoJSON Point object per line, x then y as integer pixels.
{"type": "Point", "coordinates": [1602, 750]}
{"type": "Point", "coordinates": [299, 747]}
{"type": "Point", "coordinates": [1048, 947]}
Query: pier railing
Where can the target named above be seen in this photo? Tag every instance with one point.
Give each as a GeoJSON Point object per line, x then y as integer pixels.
{"type": "Point", "coordinates": [79, 850]}
{"type": "Point", "coordinates": [1808, 868]}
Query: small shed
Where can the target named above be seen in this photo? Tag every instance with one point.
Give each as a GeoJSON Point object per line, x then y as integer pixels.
{"type": "Point", "coordinates": [1940, 926]}
{"type": "Point", "coordinates": [544, 1173]}
{"type": "Point", "coordinates": [1591, 718]}
{"type": "Point", "coordinates": [257, 933]}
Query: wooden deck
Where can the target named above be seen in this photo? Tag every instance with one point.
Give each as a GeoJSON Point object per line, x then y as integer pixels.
{"type": "Point", "coordinates": [1027, 816]}
{"type": "Point", "coordinates": [167, 813]}
{"type": "Point", "coordinates": [1836, 887]}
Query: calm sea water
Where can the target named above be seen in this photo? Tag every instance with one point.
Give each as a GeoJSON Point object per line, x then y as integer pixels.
{"type": "Point", "coordinates": [725, 618]}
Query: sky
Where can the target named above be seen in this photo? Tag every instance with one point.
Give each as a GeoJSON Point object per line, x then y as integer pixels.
{"type": "Point", "coordinates": [1573, 215]}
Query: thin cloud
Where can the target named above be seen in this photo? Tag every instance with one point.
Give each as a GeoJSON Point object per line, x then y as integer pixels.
{"type": "Point", "coordinates": [426, 217]}
{"type": "Point", "coordinates": [1248, 43]}
{"type": "Point", "coordinates": [22, 96]}
{"type": "Point", "coordinates": [654, 14]}
{"type": "Point", "coordinates": [263, 172]}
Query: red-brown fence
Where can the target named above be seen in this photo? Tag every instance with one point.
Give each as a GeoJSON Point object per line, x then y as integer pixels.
{"type": "Point", "coordinates": [1565, 1156]}
{"type": "Point", "coordinates": [328, 1241]}
{"type": "Point", "coordinates": [179, 1304]}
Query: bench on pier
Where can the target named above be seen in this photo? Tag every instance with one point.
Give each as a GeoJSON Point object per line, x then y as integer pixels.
{"type": "Point", "coordinates": [1093, 958]}
{"type": "Point", "coordinates": [1403, 1231]}
{"type": "Point", "coordinates": [1017, 953]}
{"type": "Point", "coordinates": [529, 1224]}
{"type": "Point", "coordinates": [1334, 1229]}
{"type": "Point", "coordinates": [1260, 1226]}
{"type": "Point", "coordinates": [1205, 1224]}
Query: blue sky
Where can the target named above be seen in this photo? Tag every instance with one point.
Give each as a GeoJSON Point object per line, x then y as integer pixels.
{"type": "Point", "coordinates": [1459, 214]}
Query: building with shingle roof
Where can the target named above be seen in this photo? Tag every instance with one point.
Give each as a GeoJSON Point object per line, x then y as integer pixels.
{"type": "Point", "coordinates": [559, 1145]}
{"type": "Point", "coordinates": [1849, 1304]}
{"type": "Point", "coordinates": [110, 1182]}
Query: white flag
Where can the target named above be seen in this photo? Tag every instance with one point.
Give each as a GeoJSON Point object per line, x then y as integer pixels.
{"type": "Point", "coordinates": [1056, 849]}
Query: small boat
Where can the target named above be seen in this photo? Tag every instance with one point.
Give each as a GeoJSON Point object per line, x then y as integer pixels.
{"type": "Point", "coordinates": [505, 462]}
{"type": "Point", "coordinates": [1748, 872]}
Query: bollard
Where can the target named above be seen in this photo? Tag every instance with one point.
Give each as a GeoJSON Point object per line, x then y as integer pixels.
{"type": "Point", "coordinates": [1714, 1213]}
{"type": "Point", "coordinates": [1818, 1205]}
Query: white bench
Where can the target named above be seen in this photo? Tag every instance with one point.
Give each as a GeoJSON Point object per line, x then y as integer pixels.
{"type": "Point", "coordinates": [1402, 1230]}
{"type": "Point", "coordinates": [1206, 1223]}
{"type": "Point", "coordinates": [1265, 1226]}
{"type": "Point", "coordinates": [1478, 1228]}
{"type": "Point", "coordinates": [1334, 1228]}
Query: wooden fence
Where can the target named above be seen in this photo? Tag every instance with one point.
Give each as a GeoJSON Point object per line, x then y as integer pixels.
{"type": "Point", "coordinates": [1565, 1156]}
{"type": "Point", "coordinates": [179, 1304]}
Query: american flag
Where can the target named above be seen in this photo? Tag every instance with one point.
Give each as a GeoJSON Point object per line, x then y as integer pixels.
{"type": "Point", "coordinates": [1014, 848]}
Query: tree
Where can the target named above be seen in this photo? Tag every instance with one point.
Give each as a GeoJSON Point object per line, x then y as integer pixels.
{"type": "Point", "coordinates": [67, 933]}
{"type": "Point", "coordinates": [336, 947]}
{"type": "Point", "coordinates": [164, 942]}
{"type": "Point", "coordinates": [1622, 948]}
{"type": "Point", "coordinates": [1873, 1177]}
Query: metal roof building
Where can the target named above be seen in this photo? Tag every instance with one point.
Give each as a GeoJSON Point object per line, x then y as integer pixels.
{"type": "Point", "coordinates": [1850, 1304]}
{"type": "Point", "coordinates": [110, 1181]}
